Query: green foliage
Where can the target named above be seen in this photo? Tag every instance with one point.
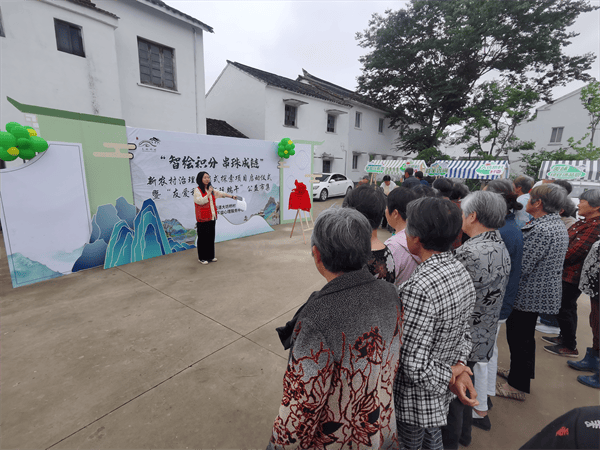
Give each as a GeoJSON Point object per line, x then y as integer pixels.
{"type": "Point", "coordinates": [425, 61]}
{"type": "Point", "coordinates": [432, 154]}
{"type": "Point", "coordinates": [285, 148]}
{"type": "Point", "coordinates": [533, 161]}
{"type": "Point", "coordinates": [490, 119]}
{"type": "Point", "coordinates": [590, 99]}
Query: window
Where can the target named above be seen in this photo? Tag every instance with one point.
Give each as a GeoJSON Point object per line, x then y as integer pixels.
{"type": "Point", "coordinates": [357, 119]}
{"type": "Point", "coordinates": [1, 27]}
{"type": "Point", "coordinates": [157, 65]}
{"type": "Point", "coordinates": [354, 162]}
{"type": "Point", "coordinates": [556, 134]}
{"type": "Point", "coordinates": [330, 123]}
{"type": "Point", "coordinates": [68, 38]}
{"type": "Point", "coordinates": [326, 166]}
{"type": "Point", "coordinates": [381, 126]}
{"type": "Point", "coordinates": [290, 115]}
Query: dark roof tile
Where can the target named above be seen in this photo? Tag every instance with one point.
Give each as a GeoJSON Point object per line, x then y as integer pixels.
{"type": "Point", "coordinates": [215, 127]}
{"type": "Point", "coordinates": [89, 4]}
{"type": "Point", "coordinates": [176, 11]}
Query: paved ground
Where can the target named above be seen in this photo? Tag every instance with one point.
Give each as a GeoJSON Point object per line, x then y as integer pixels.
{"type": "Point", "coordinates": [167, 353]}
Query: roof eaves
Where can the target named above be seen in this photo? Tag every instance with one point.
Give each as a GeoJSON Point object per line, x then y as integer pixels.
{"type": "Point", "coordinates": [90, 5]}
{"type": "Point", "coordinates": [179, 13]}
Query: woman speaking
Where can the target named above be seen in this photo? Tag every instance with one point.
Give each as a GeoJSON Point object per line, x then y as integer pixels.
{"type": "Point", "coordinates": [206, 216]}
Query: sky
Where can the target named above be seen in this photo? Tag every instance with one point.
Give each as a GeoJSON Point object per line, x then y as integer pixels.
{"type": "Point", "coordinates": [284, 37]}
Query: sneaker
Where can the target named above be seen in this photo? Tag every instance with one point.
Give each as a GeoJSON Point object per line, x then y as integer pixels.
{"type": "Point", "coordinates": [561, 350]}
{"type": "Point", "coordinates": [552, 340]}
{"type": "Point", "coordinates": [547, 329]}
{"type": "Point", "coordinates": [483, 423]}
{"type": "Point", "coordinates": [590, 380]}
{"type": "Point", "coordinates": [214, 260]}
{"type": "Point", "coordinates": [201, 261]}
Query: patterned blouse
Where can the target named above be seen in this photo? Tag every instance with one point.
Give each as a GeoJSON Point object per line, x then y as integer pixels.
{"type": "Point", "coordinates": [404, 260]}
{"type": "Point", "coordinates": [487, 260]}
{"type": "Point", "coordinates": [545, 242]}
{"type": "Point", "coordinates": [590, 274]}
{"type": "Point", "coordinates": [345, 348]}
{"type": "Point", "coordinates": [381, 265]}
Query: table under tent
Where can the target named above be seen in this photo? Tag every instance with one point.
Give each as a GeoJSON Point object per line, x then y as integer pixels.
{"type": "Point", "coordinates": [393, 167]}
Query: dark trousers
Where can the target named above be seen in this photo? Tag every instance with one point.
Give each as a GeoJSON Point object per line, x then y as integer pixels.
{"type": "Point", "coordinates": [549, 319]}
{"type": "Point", "coordinates": [520, 334]}
{"type": "Point", "coordinates": [567, 314]}
{"type": "Point", "coordinates": [460, 420]}
{"type": "Point", "coordinates": [595, 322]}
{"type": "Point", "coordinates": [206, 240]}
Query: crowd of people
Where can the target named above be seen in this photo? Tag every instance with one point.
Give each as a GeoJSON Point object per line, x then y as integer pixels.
{"type": "Point", "coordinates": [399, 348]}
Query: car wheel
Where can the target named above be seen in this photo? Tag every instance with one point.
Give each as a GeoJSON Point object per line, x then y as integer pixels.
{"type": "Point", "coordinates": [324, 195]}
{"type": "Point", "coordinates": [348, 190]}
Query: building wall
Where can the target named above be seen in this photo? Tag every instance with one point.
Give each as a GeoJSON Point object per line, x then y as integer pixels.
{"type": "Point", "coordinates": [34, 72]}
{"type": "Point", "coordinates": [311, 121]}
{"type": "Point", "coordinates": [239, 99]}
{"type": "Point", "coordinates": [146, 106]}
{"type": "Point", "coordinates": [567, 112]}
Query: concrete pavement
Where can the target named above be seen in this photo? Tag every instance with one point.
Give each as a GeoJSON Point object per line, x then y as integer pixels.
{"type": "Point", "coordinates": [168, 353]}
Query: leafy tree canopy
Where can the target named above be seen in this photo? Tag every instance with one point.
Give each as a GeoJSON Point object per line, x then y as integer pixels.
{"type": "Point", "coordinates": [425, 60]}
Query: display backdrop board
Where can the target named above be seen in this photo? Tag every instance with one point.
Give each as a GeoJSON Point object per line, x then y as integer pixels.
{"type": "Point", "coordinates": [164, 169]}
{"type": "Point", "coordinates": [577, 170]}
{"type": "Point", "coordinates": [297, 167]}
{"type": "Point", "coordinates": [45, 214]}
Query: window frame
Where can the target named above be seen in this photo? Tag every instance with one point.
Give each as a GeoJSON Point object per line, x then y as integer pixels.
{"type": "Point", "coordinates": [556, 132]}
{"type": "Point", "coordinates": [78, 29]}
{"type": "Point", "coordinates": [162, 65]}
{"type": "Point", "coordinates": [333, 120]}
{"type": "Point", "coordinates": [294, 121]}
{"type": "Point", "coordinates": [380, 127]}
{"type": "Point", "coordinates": [355, 161]}
{"type": "Point", "coordinates": [2, 34]}
{"type": "Point", "coordinates": [358, 120]}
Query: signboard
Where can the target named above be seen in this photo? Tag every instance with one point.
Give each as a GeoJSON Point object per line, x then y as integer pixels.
{"type": "Point", "coordinates": [489, 168]}
{"type": "Point", "coordinates": [374, 168]}
{"type": "Point", "coordinates": [565, 172]}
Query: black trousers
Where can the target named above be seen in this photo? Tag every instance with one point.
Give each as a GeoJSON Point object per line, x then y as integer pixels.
{"type": "Point", "coordinates": [520, 334]}
{"type": "Point", "coordinates": [206, 240]}
{"type": "Point", "coordinates": [460, 420]}
{"type": "Point", "coordinates": [567, 314]}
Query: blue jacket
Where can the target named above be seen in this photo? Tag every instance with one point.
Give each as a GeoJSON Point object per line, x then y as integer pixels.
{"type": "Point", "coordinates": [513, 239]}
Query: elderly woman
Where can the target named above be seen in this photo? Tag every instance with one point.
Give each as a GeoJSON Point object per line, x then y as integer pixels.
{"type": "Point", "coordinates": [438, 300]}
{"type": "Point", "coordinates": [513, 239]}
{"type": "Point", "coordinates": [487, 260]}
{"type": "Point", "coordinates": [545, 242]}
{"type": "Point", "coordinates": [370, 202]}
{"type": "Point", "coordinates": [345, 347]}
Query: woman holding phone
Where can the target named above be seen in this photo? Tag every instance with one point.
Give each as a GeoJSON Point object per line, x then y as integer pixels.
{"type": "Point", "coordinates": [205, 197]}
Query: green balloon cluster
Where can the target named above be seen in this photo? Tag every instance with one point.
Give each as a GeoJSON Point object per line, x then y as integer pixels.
{"type": "Point", "coordinates": [285, 148]}
{"type": "Point", "coordinates": [20, 142]}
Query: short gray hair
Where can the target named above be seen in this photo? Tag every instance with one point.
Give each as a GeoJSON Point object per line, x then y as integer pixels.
{"type": "Point", "coordinates": [489, 207]}
{"type": "Point", "coordinates": [592, 196]}
{"type": "Point", "coordinates": [524, 182]}
{"type": "Point", "coordinates": [552, 195]}
{"type": "Point", "coordinates": [343, 238]}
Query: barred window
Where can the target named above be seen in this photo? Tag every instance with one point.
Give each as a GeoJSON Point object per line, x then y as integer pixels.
{"type": "Point", "coordinates": [157, 65]}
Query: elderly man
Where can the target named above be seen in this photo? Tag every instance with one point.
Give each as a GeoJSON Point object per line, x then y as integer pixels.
{"type": "Point", "coordinates": [582, 235]}
{"type": "Point", "coordinates": [344, 347]}
{"type": "Point", "coordinates": [409, 180]}
{"type": "Point", "coordinates": [438, 300]}
{"type": "Point", "coordinates": [523, 185]}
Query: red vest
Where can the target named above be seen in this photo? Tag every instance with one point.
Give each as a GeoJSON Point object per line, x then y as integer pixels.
{"type": "Point", "coordinates": [203, 212]}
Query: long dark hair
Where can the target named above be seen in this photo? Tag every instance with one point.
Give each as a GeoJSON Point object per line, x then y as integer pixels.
{"type": "Point", "coordinates": [200, 183]}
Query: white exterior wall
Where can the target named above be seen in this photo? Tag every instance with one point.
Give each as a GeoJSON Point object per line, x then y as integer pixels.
{"type": "Point", "coordinates": [367, 140]}
{"type": "Point", "coordinates": [311, 125]}
{"type": "Point", "coordinates": [35, 72]}
{"type": "Point", "coordinates": [239, 99]}
{"type": "Point", "coordinates": [567, 112]}
{"type": "Point", "coordinates": [146, 106]}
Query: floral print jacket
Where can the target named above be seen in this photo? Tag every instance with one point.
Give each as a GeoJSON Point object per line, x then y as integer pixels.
{"type": "Point", "coordinates": [545, 242]}
{"type": "Point", "coordinates": [487, 260]}
{"type": "Point", "coordinates": [345, 348]}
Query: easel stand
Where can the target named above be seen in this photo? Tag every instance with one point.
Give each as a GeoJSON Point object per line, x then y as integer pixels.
{"type": "Point", "coordinates": [305, 216]}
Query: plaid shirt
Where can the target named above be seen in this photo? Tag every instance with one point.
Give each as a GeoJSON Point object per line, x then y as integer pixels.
{"type": "Point", "coordinates": [438, 301]}
{"type": "Point", "coordinates": [582, 235]}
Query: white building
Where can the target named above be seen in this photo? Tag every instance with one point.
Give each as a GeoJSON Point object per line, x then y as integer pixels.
{"type": "Point", "coordinates": [266, 106]}
{"type": "Point", "coordinates": [554, 124]}
{"type": "Point", "coordinates": [137, 60]}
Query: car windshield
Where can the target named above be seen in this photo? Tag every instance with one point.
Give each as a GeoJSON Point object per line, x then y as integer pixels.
{"type": "Point", "coordinates": [323, 178]}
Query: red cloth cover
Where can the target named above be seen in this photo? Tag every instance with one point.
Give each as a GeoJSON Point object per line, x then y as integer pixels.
{"type": "Point", "coordinates": [299, 198]}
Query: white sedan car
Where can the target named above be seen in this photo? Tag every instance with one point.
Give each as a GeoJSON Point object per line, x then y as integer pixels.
{"type": "Point", "coordinates": [332, 185]}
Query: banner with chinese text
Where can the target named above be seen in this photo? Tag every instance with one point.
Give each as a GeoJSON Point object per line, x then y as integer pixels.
{"type": "Point", "coordinates": [165, 166]}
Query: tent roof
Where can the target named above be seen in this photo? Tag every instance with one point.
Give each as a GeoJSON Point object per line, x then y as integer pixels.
{"type": "Point", "coordinates": [579, 170]}
{"type": "Point", "coordinates": [483, 170]}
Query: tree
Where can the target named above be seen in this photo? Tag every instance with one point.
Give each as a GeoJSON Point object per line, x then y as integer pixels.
{"type": "Point", "coordinates": [590, 98]}
{"type": "Point", "coordinates": [425, 60]}
{"type": "Point", "coordinates": [533, 161]}
{"type": "Point", "coordinates": [490, 119]}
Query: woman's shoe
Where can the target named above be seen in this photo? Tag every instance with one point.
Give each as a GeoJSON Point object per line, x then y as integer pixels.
{"type": "Point", "coordinates": [201, 261]}
{"type": "Point", "coordinates": [589, 363]}
{"type": "Point", "coordinates": [503, 373]}
{"type": "Point", "coordinates": [590, 380]}
{"type": "Point", "coordinates": [502, 392]}
{"type": "Point", "coordinates": [214, 260]}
